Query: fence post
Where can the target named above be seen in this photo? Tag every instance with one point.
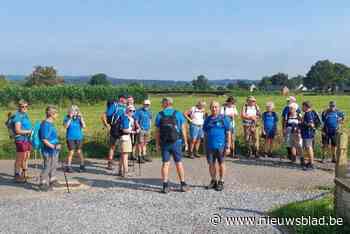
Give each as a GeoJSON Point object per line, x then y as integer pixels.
{"type": "Point", "coordinates": [341, 166]}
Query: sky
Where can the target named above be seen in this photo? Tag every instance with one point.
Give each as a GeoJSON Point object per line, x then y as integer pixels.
{"type": "Point", "coordinates": [173, 40]}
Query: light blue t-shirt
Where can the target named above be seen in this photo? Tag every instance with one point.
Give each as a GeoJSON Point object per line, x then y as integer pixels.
{"type": "Point", "coordinates": [25, 124]}
{"type": "Point", "coordinates": [74, 131]}
{"type": "Point", "coordinates": [117, 109]}
{"type": "Point", "coordinates": [48, 132]}
{"type": "Point", "coordinates": [216, 128]}
{"type": "Point", "coordinates": [144, 118]}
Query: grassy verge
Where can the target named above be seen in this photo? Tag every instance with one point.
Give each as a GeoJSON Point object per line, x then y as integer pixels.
{"type": "Point", "coordinates": [323, 207]}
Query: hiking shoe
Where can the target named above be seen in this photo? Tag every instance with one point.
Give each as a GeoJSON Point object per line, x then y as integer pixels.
{"type": "Point", "coordinates": [333, 160]}
{"type": "Point", "coordinates": [184, 187]}
{"type": "Point", "coordinates": [110, 165]}
{"type": "Point", "coordinates": [55, 183]}
{"type": "Point", "coordinates": [302, 162]}
{"type": "Point", "coordinates": [147, 158]}
{"type": "Point", "coordinates": [191, 156]}
{"type": "Point", "coordinates": [310, 167]}
{"type": "Point", "coordinates": [166, 188]}
{"type": "Point", "coordinates": [82, 168]}
{"type": "Point", "coordinates": [69, 169]}
{"type": "Point", "coordinates": [45, 187]}
{"type": "Point", "coordinates": [197, 155]}
{"type": "Point", "coordinates": [19, 179]}
{"type": "Point", "coordinates": [220, 186]}
{"type": "Point", "coordinates": [213, 184]}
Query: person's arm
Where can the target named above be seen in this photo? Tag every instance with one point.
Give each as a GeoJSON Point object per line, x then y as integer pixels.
{"type": "Point", "coordinates": [157, 138]}
{"type": "Point", "coordinates": [82, 121]}
{"type": "Point", "coordinates": [187, 115]}
{"type": "Point", "coordinates": [184, 135]}
{"type": "Point", "coordinates": [104, 120]}
{"type": "Point", "coordinates": [67, 121]}
{"type": "Point", "coordinates": [19, 131]}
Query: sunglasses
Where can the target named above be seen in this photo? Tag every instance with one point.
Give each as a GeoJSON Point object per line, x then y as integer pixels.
{"type": "Point", "coordinates": [23, 106]}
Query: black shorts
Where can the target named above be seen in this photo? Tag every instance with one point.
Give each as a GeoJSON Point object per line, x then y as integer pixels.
{"type": "Point", "coordinates": [329, 139]}
{"type": "Point", "coordinates": [74, 144]}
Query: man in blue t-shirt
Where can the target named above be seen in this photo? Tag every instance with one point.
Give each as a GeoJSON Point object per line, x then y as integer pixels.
{"type": "Point", "coordinates": [50, 150]}
{"type": "Point", "coordinates": [112, 114]}
{"type": "Point", "coordinates": [331, 118]}
{"type": "Point", "coordinates": [285, 114]}
{"type": "Point", "coordinates": [170, 136]}
{"type": "Point", "coordinates": [308, 131]}
{"type": "Point", "coordinates": [218, 141]}
{"type": "Point", "coordinates": [143, 117]}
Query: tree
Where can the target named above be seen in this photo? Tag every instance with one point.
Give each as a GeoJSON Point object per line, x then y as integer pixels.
{"type": "Point", "coordinates": [201, 83]}
{"type": "Point", "coordinates": [279, 79]}
{"type": "Point", "coordinates": [99, 79]}
{"type": "Point", "coordinates": [295, 82]}
{"type": "Point", "coordinates": [3, 81]}
{"type": "Point", "coordinates": [44, 76]}
{"type": "Point", "coordinates": [321, 75]}
{"type": "Point", "coordinates": [230, 86]}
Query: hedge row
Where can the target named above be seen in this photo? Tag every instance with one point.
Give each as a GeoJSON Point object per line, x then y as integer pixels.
{"type": "Point", "coordinates": [74, 93]}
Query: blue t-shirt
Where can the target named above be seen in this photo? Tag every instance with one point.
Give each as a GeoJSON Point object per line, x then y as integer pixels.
{"type": "Point", "coordinates": [117, 109]}
{"type": "Point", "coordinates": [25, 124]}
{"type": "Point", "coordinates": [270, 120]}
{"type": "Point", "coordinates": [180, 118]}
{"type": "Point", "coordinates": [216, 128]}
{"type": "Point", "coordinates": [306, 131]}
{"type": "Point", "coordinates": [331, 120]}
{"type": "Point", "coordinates": [125, 122]}
{"type": "Point", "coordinates": [48, 132]}
{"type": "Point", "coordinates": [285, 112]}
{"type": "Point", "coordinates": [144, 118]}
{"type": "Point", "coordinates": [74, 131]}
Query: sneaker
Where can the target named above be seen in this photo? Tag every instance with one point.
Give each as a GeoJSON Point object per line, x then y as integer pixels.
{"type": "Point", "coordinates": [310, 167]}
{"type": "Point", "coordinates": [166, 188]}
{"type": "Point", "coordinates": [147, 158]}
{"type": "Point", "coordinates": [69, 169]}
{"type": "Point", "coordinates": [213, 184]}
{"type": "Point", "coordinates": [220, 186]}
{"type": "Point", "coordinates": [55, 183]}
{"type": "Point", "coordinates": [19, 178]}
{"type": "Point", "coordinates": [184, 187]}
{"type": "Point", "coordinates": [197, 155]}
{"type": "Point", "coordinates": [191, 156]}
{"type": "Point", "coordinates": [45, 187]}
{"type": "Point", "coordinates": [82, 168]}
{"type": "Point", "coordinates": [110, 165]}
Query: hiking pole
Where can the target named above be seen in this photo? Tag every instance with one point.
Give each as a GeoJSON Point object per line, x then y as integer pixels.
{"type": "Point", "coordinates": [65, 178]}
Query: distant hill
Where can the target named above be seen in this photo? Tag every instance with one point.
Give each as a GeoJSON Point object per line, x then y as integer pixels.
{"type": "Point", "coordinates": [145, 82]}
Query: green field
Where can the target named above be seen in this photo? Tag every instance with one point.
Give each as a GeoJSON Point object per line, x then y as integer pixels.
{"type": "Point", "coordinates": [96, 137]}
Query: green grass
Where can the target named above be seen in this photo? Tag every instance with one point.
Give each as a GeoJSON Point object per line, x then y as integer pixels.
{"type": "Point", "coordinates": [323, 207]}
{"type": "Point", "coordinates": [96, 142]}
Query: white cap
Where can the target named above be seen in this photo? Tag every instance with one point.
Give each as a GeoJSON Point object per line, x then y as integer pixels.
{"type": "Point", "coordinates": [147, 102]}
{"type": "Point", "coordinates": [131, 108]}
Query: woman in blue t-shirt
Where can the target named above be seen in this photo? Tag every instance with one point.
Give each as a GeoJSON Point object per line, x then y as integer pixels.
{"type": "Point", "coordinates": [74, 124]}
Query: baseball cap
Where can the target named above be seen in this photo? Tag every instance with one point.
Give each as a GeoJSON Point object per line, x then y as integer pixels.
{"type": "Point", "coordinates": [291, 98]}
{"type": "Point", "coordinates": [251, 98]}
{"type": "Point", "coordinates": [147, 102]}
{"type": "Point", "coordinates": [167, 99]}
{"type": "Point", "coordinates": [332, 104]}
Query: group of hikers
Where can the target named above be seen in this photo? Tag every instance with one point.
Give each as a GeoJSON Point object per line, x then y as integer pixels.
{"type": "Point", "coordinates": [130, 132]}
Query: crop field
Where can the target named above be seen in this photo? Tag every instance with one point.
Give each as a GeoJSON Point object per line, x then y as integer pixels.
{"type": "Point", "coordinates": [95, 135]}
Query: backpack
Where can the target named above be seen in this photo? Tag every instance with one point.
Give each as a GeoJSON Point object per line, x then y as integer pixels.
{"type": "Point", "coordinates": [316, 119]}
{"type": "Point", "coordinates": [116, 129]}
{"type": "Point", "coordinates": [10, 125]}
{"type": "Point", "coordinates": [168, 128]}
{"type": "Point", "coordinates": [112, 118]}
{"type": "Point", "coordinates": [35, 137]}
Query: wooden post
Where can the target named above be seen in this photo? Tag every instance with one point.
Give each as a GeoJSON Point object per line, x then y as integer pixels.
{"type": "Point", "coordinates": [342, 155]}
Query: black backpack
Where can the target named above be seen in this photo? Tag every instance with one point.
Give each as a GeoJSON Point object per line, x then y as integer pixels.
{"type": "Point", "coordinates": [168, 129]}
{"type": "Point", "coordinates": [116, 129]}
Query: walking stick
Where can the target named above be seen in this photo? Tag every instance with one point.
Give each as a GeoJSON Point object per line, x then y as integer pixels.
{"type": "Point", "coordinates": [65, 178]}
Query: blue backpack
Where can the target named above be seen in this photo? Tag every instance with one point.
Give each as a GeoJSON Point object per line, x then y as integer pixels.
{"type": "Point", "coordinates": [35, 138]}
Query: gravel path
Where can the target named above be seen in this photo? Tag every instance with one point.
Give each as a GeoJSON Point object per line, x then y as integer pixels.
{"type": "Point", "coordinates": [134, 205]}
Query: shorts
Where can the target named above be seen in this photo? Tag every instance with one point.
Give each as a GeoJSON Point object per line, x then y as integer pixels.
{"type": "Point", "coordinates": [196, 132]}
{"type": "Point", "coordinates": [23, 146]}
{"type": "Point", "coordinates": [125, 144]}
{"type": "Point", "coordinates": [270, 133]}
{"type": "Point", "coordinates": [293, 140]}
{"type": "Point", "coordinates": [214, 155]}
{"type": "Point", "coordinates": [174, 149]}
{"type": "Point", "coordinates": [143, 137]}
{"type": "Point", "coordinates": [329, 139]}
{"type": "Point", "coordinates": [113, 141]}
{"type": "Point", "coordinates": [74, 144]}
{"type": "Point", "coordinates": [308, 143]}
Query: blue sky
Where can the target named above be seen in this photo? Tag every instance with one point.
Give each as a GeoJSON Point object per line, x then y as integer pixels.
{"type": "Point", "coordinates": [174, 40]}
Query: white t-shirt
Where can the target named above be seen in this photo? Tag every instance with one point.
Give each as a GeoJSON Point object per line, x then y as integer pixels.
{"type": "Point", "coordinates": [229, 111]}
{"type": "Point", "coordinates": [197, 116]}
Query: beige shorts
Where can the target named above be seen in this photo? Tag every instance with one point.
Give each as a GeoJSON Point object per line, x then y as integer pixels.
{"type": "Point", "coordinates": [125, 144]}
{"type": "Point", "coordinates": [143, 137]}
